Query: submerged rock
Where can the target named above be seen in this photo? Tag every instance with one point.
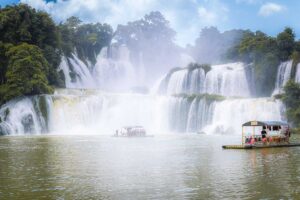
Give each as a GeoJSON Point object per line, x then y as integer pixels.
{"type": "Point", "coordinates": [28, 124]}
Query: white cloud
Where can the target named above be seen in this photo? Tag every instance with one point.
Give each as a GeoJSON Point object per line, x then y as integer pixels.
{"type": "Point", "coordinates": [248, 1]}
{"type": "Point", "coordinates": [199, 13]}
{"type": "Point", "coordinates": [113, 12]}
{"type": "Point", "coordinates": [213, 13]}
{"type": "Point", "coordinates": [268, 9]}
{"type": "Point", "coordinates": [206, 15]}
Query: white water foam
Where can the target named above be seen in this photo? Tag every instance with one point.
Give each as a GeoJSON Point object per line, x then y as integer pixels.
{"type": "Point", "coordinates": [283, 75]}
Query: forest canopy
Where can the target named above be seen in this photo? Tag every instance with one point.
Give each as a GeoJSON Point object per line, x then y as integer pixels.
{"type": "Point", "coordinates": [31, 47]}
{"type": "Point", "coordinates": [265, 53]}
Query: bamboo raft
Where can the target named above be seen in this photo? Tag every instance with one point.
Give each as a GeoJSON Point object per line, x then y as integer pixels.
{"type": "Point", "coordinates": [272, 134]}
{"type": "Point", "coordinates": [125, 136]}
{"type": "Point", "coordinates": [257, 146]}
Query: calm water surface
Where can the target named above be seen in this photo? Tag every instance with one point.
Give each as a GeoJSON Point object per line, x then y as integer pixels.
{"type": "Point", "coordinates": [163, 167]}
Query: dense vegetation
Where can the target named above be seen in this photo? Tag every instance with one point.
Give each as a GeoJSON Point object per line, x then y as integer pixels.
{"type": "Point", "coordinates": [149, 36]}
{"type": "Point", "coordinates": [31, 46]}
{"type": "Point", "coordinates": [23, 28]}
{"type": "Point", "coordinates": [26, 72]}
{"type": "Point", "coordinates": [211, 46]}
{"type": "Point", "coordinates": [87, 39]}
{"type": "Point", "coordinates": [208, 97]}
{"type": "Point", "coordinates": [265, 53]}
{"type": "Point", "coordinates": [291, 99]}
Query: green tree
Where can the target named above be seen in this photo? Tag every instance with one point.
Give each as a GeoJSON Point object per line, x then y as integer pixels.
{"type": "Point", "coordinates": [262, 51]}
{"type": "Point", "coordinates": [73, 22]}
{"type": "Point", "coordinates": [87, 39]}
{"type": "Point", "coordinates": [152, 30]}
{"type": "Point", "coordinates": [211, 46]}
{"type": "Point", "coordinates": [149, 36]}
{"type": "Point", "coordinates": [26, 72]}
{"type": "Point", "coordinates": [3, 61]}
{"type": "Point", "coordinates": [21, 23]}
{"type": "Point", "coordinates": [286, 43]}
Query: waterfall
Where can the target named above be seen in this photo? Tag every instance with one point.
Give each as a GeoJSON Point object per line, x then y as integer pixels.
{"type": "Point", "coordinates": [297, 77]}
{"type": "Point", "coordinates": [94, 112]}
{"type": "Point", "coordinates": [113, 69]}
{"type": "Point", "coordinates": [227, 80]}
{"type": "Point", "coordinates": [191, 100]}
{"type": "Point", "coordinates": [102, 113]}
{"type": "Point", "coordinates": [186, 81]}
{"type": "Point", "coordinates": [27, 115]}
{"type": "Point", "coordinates": [230, 114]}
{"type": "Point", "coordinates": [77, 73]}
{"type": "Point", "coordinates": [200, 114]}
{"type": "Point", "coordinates": [283, 75]}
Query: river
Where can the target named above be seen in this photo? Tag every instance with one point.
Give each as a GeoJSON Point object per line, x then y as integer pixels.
{"type": "Point", "coordinates": [167, 166]}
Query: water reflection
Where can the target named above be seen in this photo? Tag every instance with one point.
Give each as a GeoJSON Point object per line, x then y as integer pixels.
{"type": "Point", "coordinates": [164, 167]}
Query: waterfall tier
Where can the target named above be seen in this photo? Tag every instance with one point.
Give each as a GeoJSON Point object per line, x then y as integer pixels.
{"type": "Point", "coordinates": [95, 112]}
{"type": "Point", "coordinates": [297, 76]}
{"type": "Point", "coordinates": [29, 115]}
{"type": "Point", "coordinates": [283, 75]}
{"type": "Point", "coordinates": [230, 114]}
{"type": "Point", "coordinates": [227, 80]}
{"type": "Point", "coordinates": [112, 70]}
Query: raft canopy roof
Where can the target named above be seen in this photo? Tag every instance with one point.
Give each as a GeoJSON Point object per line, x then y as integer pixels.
{"type": "Point", "coordinates": [129, 127]}
{"type": "Point", "coordinates": [266, 123]}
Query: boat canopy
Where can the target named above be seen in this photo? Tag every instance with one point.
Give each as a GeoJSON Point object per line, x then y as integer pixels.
{"type": "Point", "coordinates": [266, 123]}
{"type": "Point", "coordinates": [129, 127]}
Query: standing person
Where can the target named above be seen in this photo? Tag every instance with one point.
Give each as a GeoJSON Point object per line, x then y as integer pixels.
{"type": "Point", "coordinates": [264, 134]}
{"type": "Point", "coordinates": [287, 135]}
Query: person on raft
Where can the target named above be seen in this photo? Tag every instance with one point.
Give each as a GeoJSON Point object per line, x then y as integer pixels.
{"type": "Point", "coordinates": [264, 134]}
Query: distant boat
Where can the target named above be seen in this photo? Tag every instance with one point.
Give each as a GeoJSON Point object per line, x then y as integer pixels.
{"type": "Point", "coordinates": [131, 131]}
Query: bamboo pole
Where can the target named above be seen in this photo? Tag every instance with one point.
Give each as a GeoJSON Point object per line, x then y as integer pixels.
{"type": "Point", "coordinates": [243, 135]}
{"type": "Point", "coordinates": [253, 133]}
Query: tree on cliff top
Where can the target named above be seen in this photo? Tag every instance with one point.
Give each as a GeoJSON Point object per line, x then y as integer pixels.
{"type": "Point", "coordinates": [21, 23]}
{"type": "Point", "coordinates": [26, 72]}
{"type": "Point", "coordinates": [286, 43]}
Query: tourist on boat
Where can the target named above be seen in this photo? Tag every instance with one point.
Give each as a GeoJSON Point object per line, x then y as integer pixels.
{"type": "Point", "coordinates": [264, 134]}
{"type": "Point", "coordinates": [287, 134]}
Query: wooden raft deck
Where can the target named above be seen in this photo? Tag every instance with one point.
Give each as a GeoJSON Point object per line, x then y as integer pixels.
{"type": "Point", "coordinates": [260, 146]}
{"type": "Point", "coordinates": [125, 136]}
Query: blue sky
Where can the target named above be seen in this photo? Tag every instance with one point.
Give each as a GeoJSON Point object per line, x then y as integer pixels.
{"type": "Point", "coordinates": [187, 17]}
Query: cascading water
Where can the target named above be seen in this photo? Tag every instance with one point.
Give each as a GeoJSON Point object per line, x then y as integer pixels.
{"type": "Point", "coordinates": [227, 80]}
{"type": "Point", "coordinates": [297, 77]}
{"type": "Point", "coordinates": [102, 113]}
{"type": "Point", "coordinates": [200, 114]}
{"type": "Point", "coordinates": [231, 113]}
{"type": "Point", "coordinates": [283, 75]}
{"type": "Point", "coordinates": [93, 112]}
{"type": "Point", "coordinates": [113, 69]}
{"type": "Point", "coordinates": [197, 107]}
{"type": "Point", "coordinates": [77, 73]}
{"type": "Point", "coordinates": [29, 115]}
